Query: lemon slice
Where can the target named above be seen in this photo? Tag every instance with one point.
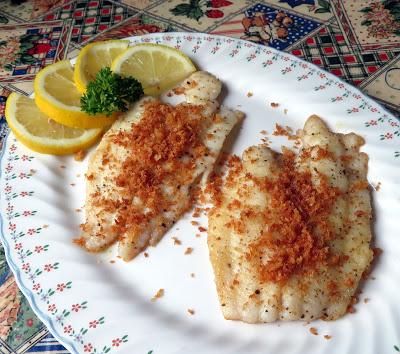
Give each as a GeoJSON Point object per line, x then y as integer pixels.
{"type": "Point", "coordinates": [39, 133]}
{"type": "Point", "coordinates": [156, 66]}
{"type": "Point", "coordinates": [94, 57]}
{"type": "Point", "coordinates": [57, 97]}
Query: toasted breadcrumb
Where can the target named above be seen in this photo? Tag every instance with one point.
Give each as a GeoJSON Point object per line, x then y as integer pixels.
{"type": "Point", "coordinates": [146, 254]}
{"type": "Point", "coordinates": [78, 175]}
{"type": "Point", "coordinates": [192, 275]}
{"type": "Point", "coordinates": [112, 261]}
{"type": "Point", "coordinates": [45, 226]}
{"type": "Point", "coordinates": [249, 94]}
{"type": "Point", "coordinates": [78, 210]}
{"type": "Point", "coordinates": [191, 311]}
{"type": "Point", "coordinates": [198, 235]}
{"type": "Point", "coordinates": [202, 229]}
{"type": "Point", "coordinates": [158, 295]}
{"type": "Point", "coordinates": [188, 250]}
{"type": "Point", "coordinates": [313, 331]}
{"type": "Point", "coordinates": [274, 105]}
{"type": "Point", "coordinates": [327, 337]}
{"type": "Point", "coordinates": [72, 184]}
{"type": "Point", "coordinates": [62, 166]}
{"type": "Point", "coordinates": [264, 132]}
{"type": "Point", "coordinates": [285, 111]}
{"type": "Point", "coordinates": [80, 155]}
{"type": "Point", "coordinates": [194, 223]}
{"type": "Point", "coordinates": [377, 187]}
{"type": "Point", "coordinates": [366, 300]}
{"type": "Point", "coordinates": [177, 241]}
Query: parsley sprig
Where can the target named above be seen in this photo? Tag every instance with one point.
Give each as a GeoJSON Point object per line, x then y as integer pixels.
{"type": "Point", "coordinates": [109, 93]}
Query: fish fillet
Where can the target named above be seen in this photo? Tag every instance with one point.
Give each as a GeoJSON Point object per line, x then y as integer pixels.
{"type": "Point", "coordinates": [142, 176]}
{"type": "Point", "coordinates": [282, 249]}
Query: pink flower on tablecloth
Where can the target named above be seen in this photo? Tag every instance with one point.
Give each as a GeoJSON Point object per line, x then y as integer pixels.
{"type": "Point", "coordinates": [23, 175]}
{"type": "Point", "coordinates": [8, 189]}
{"type": "Point", "coordinates": [29, 322]}
{"type": "Point", "coordinates": [93, 324]}
{"type": "Point", "coordinates": [116, 342]}
{"type": "Point", "coordinates": [18, 246]}
{"type": "Point", "coordinates": [24, 194]}
{"type": "Point", "coordinates": [26, 213]}
{"type": "Point", "coordinates": [48, 267]}
{"type": "Point", "coordinates": [24, 157]}
{"type": "Point", "coordinates": [373, 122]}
{"type": "Point", "coordinates": [87, 347]}
{"type": "Point", "coordinates": [76, 307]}
{"type": "Point", "coordinates": [31, 231]}
{"type": "Point", "coordinates": [61, 287]}
{"type": "Point", "coordinates": [68, 329]}
{"type": "Point", "coordinates": [388, 136]}
{"type": "Point", "coordinates": [12, 227]}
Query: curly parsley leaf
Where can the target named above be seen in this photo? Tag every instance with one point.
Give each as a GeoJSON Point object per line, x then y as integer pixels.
{"type": "Point", "coordinates": [109, 93]}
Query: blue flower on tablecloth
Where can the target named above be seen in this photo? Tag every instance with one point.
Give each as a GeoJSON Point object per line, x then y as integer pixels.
{"type": "Point", "coordinates": [294, 3]}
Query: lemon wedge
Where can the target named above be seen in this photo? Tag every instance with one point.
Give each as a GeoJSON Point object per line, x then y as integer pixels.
{"type": "Point", "coordinates": [157, 67]}
{"type": "Point", "coordinates": [57, 97]}
{"type": "Point", "coordinates": [94, 57]}
{"type": "Point", "coordinates": [40, 133]}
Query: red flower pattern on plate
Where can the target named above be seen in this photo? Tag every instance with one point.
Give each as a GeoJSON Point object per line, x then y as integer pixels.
{"type": "Point", "coordinates": [76, 307]}
{"type": "Point", "coordinates": [36, 287]}
{"type": "Point", "coordinates": [31, 232]}
{"type": "Point", "coordinates": [61, 287]}
{"type": "Point", "coordinates": [93, 324]}
{"type": "Point", "coordinates": [87, 348]}
{"type": "Point", "coordinates": [51, 308]}
{"type": "Point", "coordinates": [116, 342]}
{"type": "Point", "coordinates": [39, 249]}
{"type": "Point", "coordinates": [68, 329]}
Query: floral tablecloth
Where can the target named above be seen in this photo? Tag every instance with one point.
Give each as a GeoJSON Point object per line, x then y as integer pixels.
{"type": "Point", "coordinates": [357, 40]}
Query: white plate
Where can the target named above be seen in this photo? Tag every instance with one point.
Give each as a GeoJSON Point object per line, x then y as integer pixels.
{"type": "Point", "coordinates": [94, 306]}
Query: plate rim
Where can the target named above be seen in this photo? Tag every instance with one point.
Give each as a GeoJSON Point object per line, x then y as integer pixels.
{"type": "Point", "coordinates": [46, 320]}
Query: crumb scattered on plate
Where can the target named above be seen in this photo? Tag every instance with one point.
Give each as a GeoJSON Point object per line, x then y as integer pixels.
{"type": "Point", "coordinates": [192, 275]}
{"type": "Point", "coordinates": [366, 300]}
{"type": "Point", "coordinates": [112, 261]}
{"type": "Point", "coordinates": [158, 295]}
{"type": "Point", "coordinates": [177, 241]}
{"type": "Point", "coordinates": [249, 94]}
{"type": "Point", "coordinates": [194, 223]}
{"type": "Point", "coordinates": [274, 104]}
{"type": "Point", "coordinates": [313, 331]}
{"type": "Point", "coordinates": [188, 250]}
{"type": "Point", "coordinates": [202, 229]}
{"type": "Point", "coordinates": [146, 254]}
{"type": "Point", "coordinates": [191, 311]}
{"type": "Point", "coordinates": [327, 337]}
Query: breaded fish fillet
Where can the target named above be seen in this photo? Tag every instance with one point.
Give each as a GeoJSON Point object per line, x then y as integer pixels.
{"type": "Point", "coordinates": [289, 236]}
{"type": "Point", "coordinates": [141, 177]}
